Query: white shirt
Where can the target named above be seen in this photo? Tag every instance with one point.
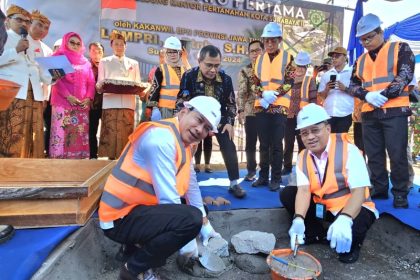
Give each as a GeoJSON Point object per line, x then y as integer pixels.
{"type": "Point", "coordinates": [357, 174]}
{"type": "Point", "coordinates": [113, 67]}
{"type": "Point", "coordinates": [36, 49]}
{"type": "Point", "coordinates": [155, 152]}
{"type": "Point", "coordinates": [338, 103]}
{"type": "Point", "coordinates": [22, 68]}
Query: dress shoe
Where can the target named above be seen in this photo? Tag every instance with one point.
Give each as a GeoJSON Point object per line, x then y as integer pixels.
{"type": "Point", "coordinates": [260, 182]}
{"type": "Point", "coordinates": [400, 201]}
{"type": "Point", "coordinates": [208, 169]}
{"type": "Point", "coordinates": [351, 256]}
{"type": "Point", "coordinates": [6, 232]}
{"type": "Point", "coordinates": [286, 171]}
{"type": "Point", "coordinates": [274, 185]}
{"type": "Point", "coordinates": [189, 265]}
{"type": "Point", "coordinates": [250, 176]}
{"type": "Point", "coordinates": [197, 168]}
{"type": "Point", "coordinates": [237, 191]}
{"type": "Point", "coordinates": [125, 274]}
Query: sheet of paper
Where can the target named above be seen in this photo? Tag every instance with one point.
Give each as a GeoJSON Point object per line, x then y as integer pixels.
{"type": "Point", "coordinates": [55, 62]}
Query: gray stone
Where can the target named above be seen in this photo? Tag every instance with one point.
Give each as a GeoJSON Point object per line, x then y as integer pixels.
{"type": "Point", "coordinates": [253, 242]}
{"type": "Point", "coordinates": [254, 264]}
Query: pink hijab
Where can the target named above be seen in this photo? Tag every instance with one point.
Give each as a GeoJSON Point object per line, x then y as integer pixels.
{"type": "Point", "coordinates": [75, 58]}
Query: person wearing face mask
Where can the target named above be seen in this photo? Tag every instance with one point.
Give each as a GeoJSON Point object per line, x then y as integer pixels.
{"type": "Point", "coordinates": [332, 189]}
{"type": "Point", "coordinates": [380, 78]}
{"type": "Point", "coordinates": [22, 124]}
{"type": "Point", "coordinates": [303, 93]}
{"type": "Point", "coordinates": [141, 202]}
{"type": "Point", "coordinates": [117, 109]}
{"type": "Point", "coordinates": [71, 97]}
{"type": "Point", "coordinates": [166, 81]}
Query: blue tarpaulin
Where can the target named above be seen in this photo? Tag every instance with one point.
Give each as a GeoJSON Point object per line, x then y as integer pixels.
{"type": "Point", "coordinates": [354, 48]}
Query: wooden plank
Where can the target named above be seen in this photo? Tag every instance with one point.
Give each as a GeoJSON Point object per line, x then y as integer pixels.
{"type": "Point", "coordinates": [48, 170]}
{"type": "Point", "coordinates": [49, 212]}
{"type": "Point", "coordinates": [94, 174]}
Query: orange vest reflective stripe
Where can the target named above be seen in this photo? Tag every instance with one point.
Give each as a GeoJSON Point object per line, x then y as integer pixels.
{"type": "Point", "coordinates": [378, 74]}
{"type": "Point", "coordinates": [304, 91]}
{"type": "Point", "coordinates": [169, 87]}
{"type": "Point", "coordinates": [334, 192]}
{"type": "Point", "coordinates": [129, 185]}
{"type": "Point", "coordinates": [271, 75]}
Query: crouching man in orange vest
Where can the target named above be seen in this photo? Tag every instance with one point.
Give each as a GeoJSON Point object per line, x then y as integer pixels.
{"type": "Point", "coordinates": [141, 201]}
{"type": "Point", "coordinates": [332, 185]}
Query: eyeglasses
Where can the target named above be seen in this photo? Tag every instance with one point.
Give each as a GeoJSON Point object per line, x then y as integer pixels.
{"type": "Point", "coordinates": [368, 38]}
{"type": "Point", "coordinates": [315, 131]}
{"type": "Point", "coordinates": [75, 44]}
{"type": "Point", "coordinates": [21, 20]}
{"type": "Point", "coordinates": [171, 52]}
{"type": "Point", "coordinates": [255, 50]}
{"type": "Point", "coordinates": [211, 66]}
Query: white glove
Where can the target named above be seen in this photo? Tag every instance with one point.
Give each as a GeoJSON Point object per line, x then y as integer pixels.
{"type": "Point", "coordinates": [207, 232]}
{"type": "Point", "coordinates": [297, 230]}
{"type": "Point", "coordinates": [270, 96]}
{"type": "Point", "coordinates": [190, 249]}
{"type": "Point", "coordinates": [376, 98]}
{"type": "Point", "coordinates": [264, 103]}
{"type": "Point", "coordinates": [340, 234]}
{"type": "Point", "coordinates": [156, 116]}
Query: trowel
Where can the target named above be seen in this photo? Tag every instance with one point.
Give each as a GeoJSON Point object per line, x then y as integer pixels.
{"type": "Point", "coordinates": [212, 261]}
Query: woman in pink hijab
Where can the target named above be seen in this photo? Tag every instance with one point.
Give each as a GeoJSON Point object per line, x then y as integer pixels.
{"type": "Point", "coordinates": [70, 101]}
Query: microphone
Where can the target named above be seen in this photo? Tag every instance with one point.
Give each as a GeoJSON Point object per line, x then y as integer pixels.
{"type": "Point", "coordinates": [23, 34]}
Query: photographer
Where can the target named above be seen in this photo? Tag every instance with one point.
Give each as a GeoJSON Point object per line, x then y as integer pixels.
{"type": "Point", "coordinates": [338, 103]}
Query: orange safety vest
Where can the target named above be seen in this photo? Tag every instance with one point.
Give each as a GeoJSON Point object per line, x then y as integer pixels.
{"type": "Point", "coordinates": [129, 185]}
{"type": "Point", "coordinates": [169, 87]}
{"type": "Point", "coordinates": [334, 192]}
{"type": "Point", "coordinates": [378, 74]}
{"type": "Point", "coordinates": [271, 74]}
{"type": "Point", "coordinates": [304, 91]}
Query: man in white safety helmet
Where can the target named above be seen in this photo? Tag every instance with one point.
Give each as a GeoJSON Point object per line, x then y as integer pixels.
{"type": "Point", "coordinates": [381, 78]}
{"type": "Point", "coordinates": [272, 71]}
{"type": "Point", "coordinates": [165, 86]}
{"type": "Point", "coordinates": [332, 188]}
{"type": "Point", "coordinates": [141, 201]}
{"type": "Point", "coordinates": [303, 92]}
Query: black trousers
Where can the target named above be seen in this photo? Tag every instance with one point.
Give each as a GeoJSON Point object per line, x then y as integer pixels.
{"type": "Point", "coordinates": [340, 124]}
{"type": "Point", "coordinates": [94, 117]}
{"type": "Point", "coordinates": [290, 134]}
{"type": "Point", "coordinates": [208, 147]}
{"type": "Point", "coordinates": [390, 135]}
{"type": "Point", "coordinates": [358, 136]}
{"type": "Point", "coordinates": [271, 133]}
{"type": "Point", "coordinates": [160, 230]}
{"type": "Point", "coordinates": [251, 137]}
{"type": "Point", "coordinates": [314, 226]}
{"type": "Point", "coordinates": [230, 157]}
{"type": "Point", "coordinates": [47, 124]}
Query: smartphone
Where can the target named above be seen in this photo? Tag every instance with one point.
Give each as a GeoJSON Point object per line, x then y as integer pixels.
{"type": "Point", "coordinates": [333, 78]}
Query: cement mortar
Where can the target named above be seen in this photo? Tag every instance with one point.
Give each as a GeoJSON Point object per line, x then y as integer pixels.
{"type": "Point", "coordinates": [391, 251]}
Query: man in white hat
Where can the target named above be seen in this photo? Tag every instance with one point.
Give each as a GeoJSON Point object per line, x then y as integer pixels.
{"type": "Point", "coordinates": [271, 69]}
{"type": "Point", "coordinates": [381, 78]}
{"type": "Point", "coordinates": [141, 200]}
{"type": "Point", "coordinates": [332, 186]}
{"type": "Point", "coordinates": [303, 92]}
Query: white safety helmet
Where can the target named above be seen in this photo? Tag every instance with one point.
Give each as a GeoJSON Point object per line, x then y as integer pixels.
{"type": "Point", "coordinates": [209, 107]}
{"type": "Point", "coordinates": [302, 59]}
{"type": "Point", "coordinates": [272, 30]}
{"type": "Point", "coordinates": [311, 114]}
{"type": "Point", "coordinates": [367, 24]}
{"type": "Point", "coordinates": [173, 43]}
